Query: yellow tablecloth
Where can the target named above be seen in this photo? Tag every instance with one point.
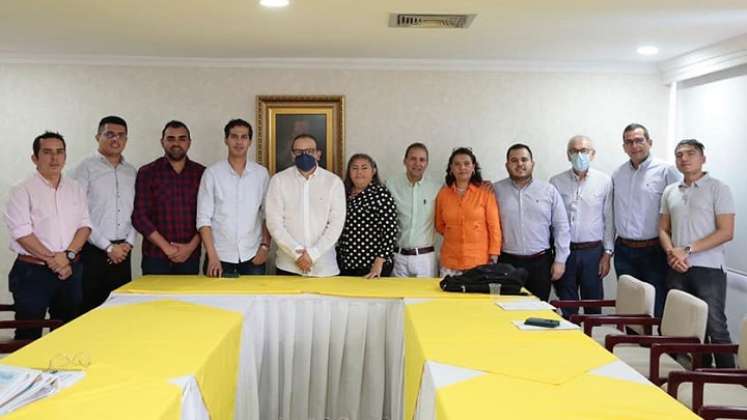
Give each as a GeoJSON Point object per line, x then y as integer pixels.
{"type": "Point", "coordinates": [147, 344]}
{"type": "Point", "coordinates": [287, 285]}
{"type": "Point", "coordinates": [584, 397]}
{"type": "Point", "coordinates": [524, 365]}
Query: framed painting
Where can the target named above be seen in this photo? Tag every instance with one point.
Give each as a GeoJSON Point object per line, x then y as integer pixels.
{"type": "Point", "coordinates": [281, 118]}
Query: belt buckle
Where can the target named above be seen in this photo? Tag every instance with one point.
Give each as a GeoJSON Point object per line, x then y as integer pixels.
{"type": "Point", "coordinates": [416, 251]}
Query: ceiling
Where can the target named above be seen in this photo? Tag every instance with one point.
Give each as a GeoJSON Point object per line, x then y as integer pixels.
{"type": "Point", "coordinates": [551, 30]}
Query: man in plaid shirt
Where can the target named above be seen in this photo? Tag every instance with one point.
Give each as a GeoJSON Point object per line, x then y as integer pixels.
{"type": "Point", "coordinates": [166, 206]}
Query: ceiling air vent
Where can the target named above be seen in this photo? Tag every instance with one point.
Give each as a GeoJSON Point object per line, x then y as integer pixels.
{"type": "Point", "coordinates": [435, 21]}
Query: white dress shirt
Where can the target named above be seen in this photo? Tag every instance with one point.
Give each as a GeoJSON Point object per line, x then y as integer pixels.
{"type": "Point", "coordinates": [306, 214]}
{"type": "Point", "coordinates": [111, 196]}
{"type": "Point", "coordinates": [231, 205]}
{"type": "Point", "coordinates": [588, 203]}
{"type": "Point", "coordinates": [637, 197]}
{"type": "Point", "coordinates": [529, 216]}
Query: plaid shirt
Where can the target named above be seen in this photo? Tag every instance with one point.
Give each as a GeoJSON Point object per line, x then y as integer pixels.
{"type": "Point", "coordinates": [166, 201]}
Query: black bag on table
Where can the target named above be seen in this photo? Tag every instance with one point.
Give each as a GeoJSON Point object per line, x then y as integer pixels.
{"type": "Point", "coordinates": [479, 279]}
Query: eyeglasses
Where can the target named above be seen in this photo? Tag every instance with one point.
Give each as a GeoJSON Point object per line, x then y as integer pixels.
{"type": "Point", "coordinates": [637, 142]}
{"type": "Point", "coordinates": [299, 152]}
{"type": "Point", "coordinates": [583, 151]}
{"type": "Point", "coordinates": [110, 135]}
{"type": "Point", "coordinates": [63, 361]}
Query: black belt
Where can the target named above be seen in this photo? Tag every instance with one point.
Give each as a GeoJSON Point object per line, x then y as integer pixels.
{"type": "Point", "coordinates": [636, 243]}
{"type": "Point", "coordinates": [578, 246]}
{"type": "Point", "coordinates": [528, 257]}
{"type": "Point", "coordinates": [416, 251]}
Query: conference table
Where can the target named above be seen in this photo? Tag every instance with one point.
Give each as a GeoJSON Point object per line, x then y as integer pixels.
{"type": "Point", "coordinates": [276, 347]}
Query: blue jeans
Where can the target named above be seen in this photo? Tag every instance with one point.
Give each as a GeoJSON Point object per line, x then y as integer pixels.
{"type": "Point", "coordinates": [708, 284]}
{"type": "Point", "coordinates": [153, 265]}
{"type": "Point", "coordinates": [581, 270]}
{"type": "Point", "coordinates": [647, 264]}
{"type": "Point", "coordinates": [36, 288]}
{"type": "Point", "coordinates": [246, 268]}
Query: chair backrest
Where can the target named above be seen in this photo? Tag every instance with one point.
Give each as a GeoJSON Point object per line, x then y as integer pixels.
{"type": "Point", "coordinates": [634, 297]}
{"type": "Point", "coordinates": [742, 353]}
{"type": "Point", "coordinates": [684, 315]}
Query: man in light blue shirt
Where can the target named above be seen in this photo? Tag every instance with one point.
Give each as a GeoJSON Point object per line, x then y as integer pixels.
{"type": "Point", "coordinates": [587, 194]}
{"type": "Point", "coordinates": [230, 203]}
{"type": "Point", "coordinates": [532, 212]}
{"type": "Point", "coordinates": [638, 186]}
{"type": "Point", "coordinates": [415, 196]}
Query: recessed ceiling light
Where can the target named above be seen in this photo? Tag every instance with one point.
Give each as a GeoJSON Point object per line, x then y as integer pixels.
{"type": "Point", "coordinates": [274, 3]}
{"type": "Point", "coordinates": [648, 50]}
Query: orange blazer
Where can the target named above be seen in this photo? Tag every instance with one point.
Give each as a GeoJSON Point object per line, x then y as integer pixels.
{"type": "Point", "coordinates": [470, 226]}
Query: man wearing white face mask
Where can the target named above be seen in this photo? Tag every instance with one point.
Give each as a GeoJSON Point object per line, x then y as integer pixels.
{"type": "Point", "coordinates": [587, 195]}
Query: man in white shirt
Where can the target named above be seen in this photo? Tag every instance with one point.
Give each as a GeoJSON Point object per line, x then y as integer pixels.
{"type": "Point", "coordinates": [587, 194]}
{"type": "Point", "coordinates": [415, 196]}
{"type": "Point", "coordinates": [638, 186]}
{"type": "Point", "coordinates": [697, 220]}
{"type": "Point", "coordinates": [109, 183]}
{"type": "Point", "coordinates": [305, 208]}
{"type": "Point", "coordinates": [229, 209]}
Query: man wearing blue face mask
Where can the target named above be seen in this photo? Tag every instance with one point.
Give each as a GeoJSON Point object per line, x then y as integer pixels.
{"type": "Point", "coordinates": [587, 195]}
{"type": "Point", "coordinates": [305, 207]}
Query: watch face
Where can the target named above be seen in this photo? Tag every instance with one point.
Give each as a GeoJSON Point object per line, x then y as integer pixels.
{"type": "Point", "coordinates": [71, 255]}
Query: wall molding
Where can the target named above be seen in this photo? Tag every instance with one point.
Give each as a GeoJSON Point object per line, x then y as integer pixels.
{"type": "Point", "coordinates": [721, 56]}
{"type": "Point", "coordinates": [336, 63]}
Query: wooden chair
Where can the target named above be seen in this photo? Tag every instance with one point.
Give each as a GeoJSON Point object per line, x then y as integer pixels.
{"type": "Point", "coordinates": [634, 298]}
{"type": "Point", "coordinates": [718, 392]}
{"type": "Point", "coordinates": [11, 345]}
{"type": "Point", "coordinates": [684, 321]}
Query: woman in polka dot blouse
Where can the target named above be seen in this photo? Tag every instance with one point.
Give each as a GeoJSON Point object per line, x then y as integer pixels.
{"type": "Point", "coordinates": [366, 246]}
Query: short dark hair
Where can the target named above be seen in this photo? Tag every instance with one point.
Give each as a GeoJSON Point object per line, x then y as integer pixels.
{"type": "Point", "coordinates": [47, 135]}
{"type": "Point", "coordinates": [349, 183]}
{"type": "Point", "coordinates": [305, 136]}
{"type": "Point", "coordinates": [517, 146]}
{"type": "Point", "coordinates": [635, 126]}
{"type": "Point", "coordinates": [476, 178]}
{"type": "Point", "coordinates": [111, 119]}
{"type": "Point", "coordinates": [690, 142]}
{"type": "Point", "coordinates": [238, 122]}
{"type": "Point", "coordinates": [175, 124]}
{"type": "Point", "coordinates": [416, 145]}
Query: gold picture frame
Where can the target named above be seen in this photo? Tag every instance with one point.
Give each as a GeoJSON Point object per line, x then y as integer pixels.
{"type": "Point", "coordinates": [281, 118]}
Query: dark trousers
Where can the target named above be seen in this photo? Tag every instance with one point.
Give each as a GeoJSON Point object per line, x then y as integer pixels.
{"type": "Point", "coordinates": [708, 284]}
{"type": "Point", "coordinates": [246, 268]}
{"type": "Point", "coordinates": [153, 265]}
{"type": "Point", "coordinates": [279, 272]}
{"type": "Point", "coordinates": [101, 276]}
{"type": "Point", "coordinates": [36, 288]}
{"type": "Point", "coordinates": [538, 282]}
{"type": "Point", "coordinates": [647, 264]}
{"type": "Point", "coordinates": [581, 271]}
{"type": "Point", "coordinates": [386, 271]}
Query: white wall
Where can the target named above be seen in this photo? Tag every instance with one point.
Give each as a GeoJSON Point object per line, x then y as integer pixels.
{"type": "Point", "coordinates": [385, 111]}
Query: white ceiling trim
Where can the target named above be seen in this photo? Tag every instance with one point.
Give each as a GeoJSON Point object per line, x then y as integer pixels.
{"type": "Point", "coordinates": [721, 56]}
{"type": "Point", "coordinates": [337, 63]}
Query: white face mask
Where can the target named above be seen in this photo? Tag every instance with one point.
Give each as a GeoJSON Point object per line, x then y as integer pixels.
{"type": "Point", "coordinates": [580, 161]}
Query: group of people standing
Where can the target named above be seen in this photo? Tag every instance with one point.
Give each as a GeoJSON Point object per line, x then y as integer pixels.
{"type": "Point", "coordinates": [74, 235]}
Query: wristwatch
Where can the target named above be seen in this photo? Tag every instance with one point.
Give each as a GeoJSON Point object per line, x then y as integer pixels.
{"type": "Point", "coordinates": [609, 252]}
{"type": "Point", "coordinates": [70, 254]}
{"type": "Point", "coordinates": [264, 245]}
{"type": "Point", "coordinates": [688, 250]}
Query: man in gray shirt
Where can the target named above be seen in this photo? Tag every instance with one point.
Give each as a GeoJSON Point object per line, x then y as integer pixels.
{"type": "Point", "coordinates": [587, 194]}
{"type": "Point", "coordinates": [697, 219]}
{"type": "Point", "coordinates": [532, 213]}
{"type": "Point", "coordinates": [638, 185]}
{"type": "Point", "coordinates": [109, 182]}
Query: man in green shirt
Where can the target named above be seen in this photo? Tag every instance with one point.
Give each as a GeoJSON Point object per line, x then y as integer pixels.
{"type": "Point", "coordinates": [415, 196]}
